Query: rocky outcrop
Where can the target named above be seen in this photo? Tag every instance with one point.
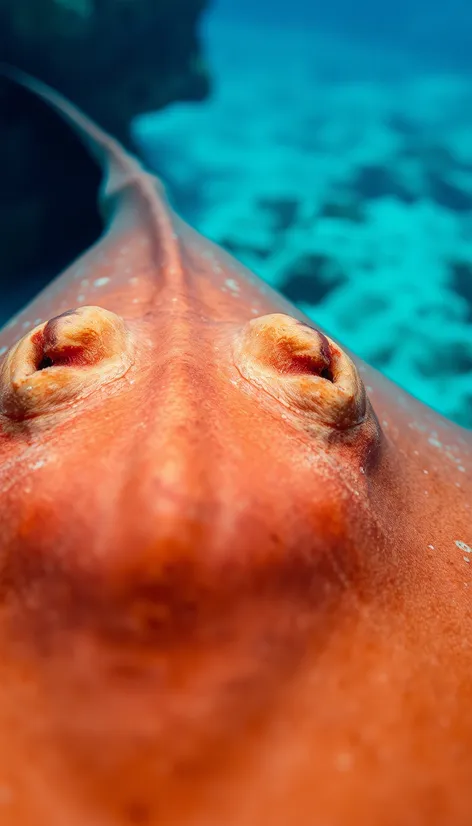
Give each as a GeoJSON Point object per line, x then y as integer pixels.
{"type": "Point", "coordinates": [113, 58]}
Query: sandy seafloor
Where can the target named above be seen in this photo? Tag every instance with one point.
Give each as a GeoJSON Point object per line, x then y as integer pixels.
{"type": "Point", "coordinates": [343, 176]}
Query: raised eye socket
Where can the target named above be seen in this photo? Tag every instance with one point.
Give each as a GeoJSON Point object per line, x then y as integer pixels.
{"type": "Point", "coordinates": [62, 360]}
{"type": "Point", "coordinates": [302, 368]}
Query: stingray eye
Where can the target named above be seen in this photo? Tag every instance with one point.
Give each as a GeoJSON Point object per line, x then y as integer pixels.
{"type": "Point", "coordinates": [62, 360]}
{"type": "Point", "coordinates": [302, 368]}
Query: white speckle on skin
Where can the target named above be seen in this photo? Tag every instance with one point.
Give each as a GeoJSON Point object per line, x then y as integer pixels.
{"type": "Point", "coordinates": [100, 282]}
{"type": "Point", "coordinates": [466, 559]}
{"type": "Point", "coordinates": [37, 321]}
{"type": "Point", "coordinates": [435, 442]}
{"type": "Point", "coordinates": [232, 285]}
{"type": "Point", "coordinates": [463, 546]}
{"type": "Point", "coordinates": [26, 324]}
{"type": "Point", "coordinates": [80, 298]}
{"type": "Point", "coordinates": [431, 546]}
{"type": "Point", "coordinates": [425, 471]}
{"type": "Point", "coordinates": [461, 468]}
{"type": "Point", "coordinates": [36, 465]}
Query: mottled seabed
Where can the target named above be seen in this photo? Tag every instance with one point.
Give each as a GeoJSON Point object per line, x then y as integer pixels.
{"type": "Point", "coordinates": [343, 176]}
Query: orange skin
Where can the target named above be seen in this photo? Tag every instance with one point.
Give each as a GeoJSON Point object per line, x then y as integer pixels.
{"type": "Point", "coordinates": [236, 585]}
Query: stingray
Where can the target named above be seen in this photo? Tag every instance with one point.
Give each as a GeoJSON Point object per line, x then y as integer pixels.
{"type": "Point", "coordinates": [235, 560]}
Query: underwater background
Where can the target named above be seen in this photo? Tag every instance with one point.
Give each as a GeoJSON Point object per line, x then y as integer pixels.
{"type": "Point", "coordinates": [331, 152]}
{"type": "Point", "coordinates": [334, 158]}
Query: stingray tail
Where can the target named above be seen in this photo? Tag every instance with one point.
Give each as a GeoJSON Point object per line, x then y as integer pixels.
{"type": "Point", "coordinates": [119, 166]}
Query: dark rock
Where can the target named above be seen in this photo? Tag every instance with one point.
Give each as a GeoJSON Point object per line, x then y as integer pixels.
{"type": "Point", "coordinates": [311, 279]}
{"type": "Point", "coordinates": [430, 155]}
{"type": "Point", "coordinates": [448, 195]}
{"type": "Point", "coordinates": [402, 124]}
{"type": "Point", "coordinates": [372, 182]}
{"type": "Point", "coordinates": [243, 251]}
{"type": "Point", "coordinates": [115, 59]}
{"type": "Point", "coordinates": [283, 211]}
{"type": "Point", "coordinates": [350, 210]}
{"type": "Point", "coordinates": [461, 272]}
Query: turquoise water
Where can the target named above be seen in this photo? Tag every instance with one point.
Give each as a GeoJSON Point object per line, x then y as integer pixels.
{"type": "Point", "coordinates": [334, 158]}
{"type": "Point", "coordinates": [440, 33]}
{"type": "Point", "coordinates": [337, 163]}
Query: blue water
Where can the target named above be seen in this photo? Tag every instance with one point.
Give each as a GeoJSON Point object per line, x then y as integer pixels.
{"type": "Point", "coordinates": [334, 158]}
{"type": "Point", "coordinates": [440, 32]}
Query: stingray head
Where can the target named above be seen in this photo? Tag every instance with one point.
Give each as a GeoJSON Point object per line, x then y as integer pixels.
{"type": "Point", "coordinates": [184, 464]}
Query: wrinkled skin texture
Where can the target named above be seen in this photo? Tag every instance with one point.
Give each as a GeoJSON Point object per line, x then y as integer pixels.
{"type": "Point", "coordinates": [235, 563]}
